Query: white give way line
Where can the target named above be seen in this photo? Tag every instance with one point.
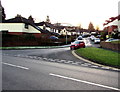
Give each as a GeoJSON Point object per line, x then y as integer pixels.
{"type": "Point", "coordinates": [15, 66]}
{"type": "Point", "coordinates": [87, 82]}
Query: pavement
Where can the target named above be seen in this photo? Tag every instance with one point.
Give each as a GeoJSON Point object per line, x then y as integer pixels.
{"type": "Point", "coordinates": [34, 47]}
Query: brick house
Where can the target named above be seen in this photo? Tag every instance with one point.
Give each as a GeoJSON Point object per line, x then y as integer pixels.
{"type": "Point", "coordinates": [112, 25]}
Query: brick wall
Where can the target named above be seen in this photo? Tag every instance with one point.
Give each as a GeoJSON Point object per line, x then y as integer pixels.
{"type": "Point", "coordinates": [110, 45]}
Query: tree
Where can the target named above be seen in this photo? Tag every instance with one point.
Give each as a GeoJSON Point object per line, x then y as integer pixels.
{"type": "Point", "coordinates": [2, 13]}
{"type": "Point", "coordinates": [91, 27]}
{"type": "Point", "coordinates": [80, 27]}
{"type": "Point", "coordinates": [97, 28]}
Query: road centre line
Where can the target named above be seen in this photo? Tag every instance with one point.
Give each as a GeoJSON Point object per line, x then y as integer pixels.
{"type": "Point", "coordinates": [87, 82]}
{"type": "Point", "coordinates": [15, 66]}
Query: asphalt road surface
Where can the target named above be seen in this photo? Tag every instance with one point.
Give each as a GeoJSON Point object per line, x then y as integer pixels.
{"type": "Point", "coordinates": [53, 69]}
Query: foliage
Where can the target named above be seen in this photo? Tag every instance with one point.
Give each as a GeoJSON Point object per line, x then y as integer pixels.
{"type": "Point", "coordinates": [115, 35]}
{"type": "Point", "coordinates": [103, 35]}
{"type": "Point", "coordinates": [3, 14]}
{"type": "Point", "coordinates": [97, 28]}
{"type": "Point", "coordinates": [29, 37]}
{"type": "Point", "coordinates": [91, 27]}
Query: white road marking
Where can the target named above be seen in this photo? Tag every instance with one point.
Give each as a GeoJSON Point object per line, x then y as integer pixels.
{"type": "Point", "coordinates": [87, 82]}
{"type": "Point", "coordinates": [75, 63]}
{"type": "Point", "coordinates": [94, 66]}
{"type": "Point", "coordinates": [16, 66]}
{"type": "Point", "coordinates": [84, 65]}
{"type": "Point", "coordinates": [105, 67]}
{"type": "Point", "coordinates": [70, 61]}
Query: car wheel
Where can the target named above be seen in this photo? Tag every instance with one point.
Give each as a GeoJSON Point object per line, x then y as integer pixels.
{"type": "Point", "coordinates": [72, 48]}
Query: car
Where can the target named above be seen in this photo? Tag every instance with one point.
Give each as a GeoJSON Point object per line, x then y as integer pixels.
{"type": "Point", "coordinates": [111, 39]}
{"type": "Point", "coordinates": [79, 38]}
{"type": "Point", "coordinates": [96, 40]}
{"type": "Point", "coordinates": [92, 37]}
{"type": "Point", "coordinates": [85, 35]}
{"type": "Point", "coordinates": [77, 45]}
{"type": "Point", "coordinates": [54, 38]}
{"type": "Point", "coordinates": [98, 36]}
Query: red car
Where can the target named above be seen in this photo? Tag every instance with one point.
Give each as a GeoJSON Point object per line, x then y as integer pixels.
{"type": "Point", "coordinates": [77, 44]}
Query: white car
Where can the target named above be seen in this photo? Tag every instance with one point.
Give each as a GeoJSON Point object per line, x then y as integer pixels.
{"type": "Point", "coordinates": [96, 40]}
{"type": "Point", "coordinates": [92, 37]}
{"type": "Point", "coordinates": [111, 39]}
{"type": "Point", "coordinates": [79, 39]}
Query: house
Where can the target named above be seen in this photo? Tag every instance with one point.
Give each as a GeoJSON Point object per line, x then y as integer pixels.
{"type": "Point", "coordinates": [112, 25]}
{"type": "Point", "coordinates": [50, 28]}
{"type": "Point", "coordinates": [64, 32]}
{"type": "Point", "coordinates": [119, 23]}
{"type": "Point", "coordinates": [20, 25]}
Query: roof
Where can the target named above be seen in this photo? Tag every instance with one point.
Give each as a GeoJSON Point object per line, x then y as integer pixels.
{"type": "Point", "coordinates": [45, 23]}
{"type": "Point", "coordinates": [26, 21]}
{"type": "Point", "coordinates": [111, 20]}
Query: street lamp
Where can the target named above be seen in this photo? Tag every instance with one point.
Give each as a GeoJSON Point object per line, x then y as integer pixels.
{"type": "Point", "coordinates": [66, 37]}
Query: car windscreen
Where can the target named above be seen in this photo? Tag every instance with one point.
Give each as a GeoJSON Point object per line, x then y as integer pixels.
{"type": "Point", "coordinates": [79, 38]}
{"type": "Point", "coordinates": [97, 39]}
{"type": "Point", "coordinates": [76, 42]}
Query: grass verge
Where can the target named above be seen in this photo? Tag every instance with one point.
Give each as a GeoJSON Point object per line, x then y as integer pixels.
{"type": "Point", "coordinates": [101, 56]}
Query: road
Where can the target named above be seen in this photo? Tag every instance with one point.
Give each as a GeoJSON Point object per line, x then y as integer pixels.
{"type": "Point", "coordinates": [53, 69]}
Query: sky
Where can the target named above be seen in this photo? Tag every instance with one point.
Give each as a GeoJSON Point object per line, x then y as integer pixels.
{"type": "Point", "coordinates": [75, 12]}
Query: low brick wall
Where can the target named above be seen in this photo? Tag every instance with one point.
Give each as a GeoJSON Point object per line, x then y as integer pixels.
{"type": "Point", "coordinates": [109, 45]}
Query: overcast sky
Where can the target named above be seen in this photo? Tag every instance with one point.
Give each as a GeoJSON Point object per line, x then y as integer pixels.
{"type": "Point", "coordinates": [74, 12]}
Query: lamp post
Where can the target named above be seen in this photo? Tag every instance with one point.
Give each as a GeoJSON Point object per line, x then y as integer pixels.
{"type": "Point", "coordinates": [66, 37]}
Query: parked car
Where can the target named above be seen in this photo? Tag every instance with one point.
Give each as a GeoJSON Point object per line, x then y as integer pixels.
{"type": "Point", "coordinates": [92, 37]}
{"type": "Point", "coordinates": [111, 39]}
{"type": "Point", "coordinates": [54, 38]}
{"type": "Point", "coordinates": [96, 40]}
{"type": "Point", "coordinates": [98, 36]}
{"type": "Point", "coordinates": [77, 44]}
{"type": "Point", "coordinates": [79, 38]}
{"type": "Point", "coordinates": [85, 35]}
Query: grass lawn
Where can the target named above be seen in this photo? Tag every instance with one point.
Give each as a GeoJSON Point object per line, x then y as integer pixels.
{"type": "Point", "coordinates": [100, 55]}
